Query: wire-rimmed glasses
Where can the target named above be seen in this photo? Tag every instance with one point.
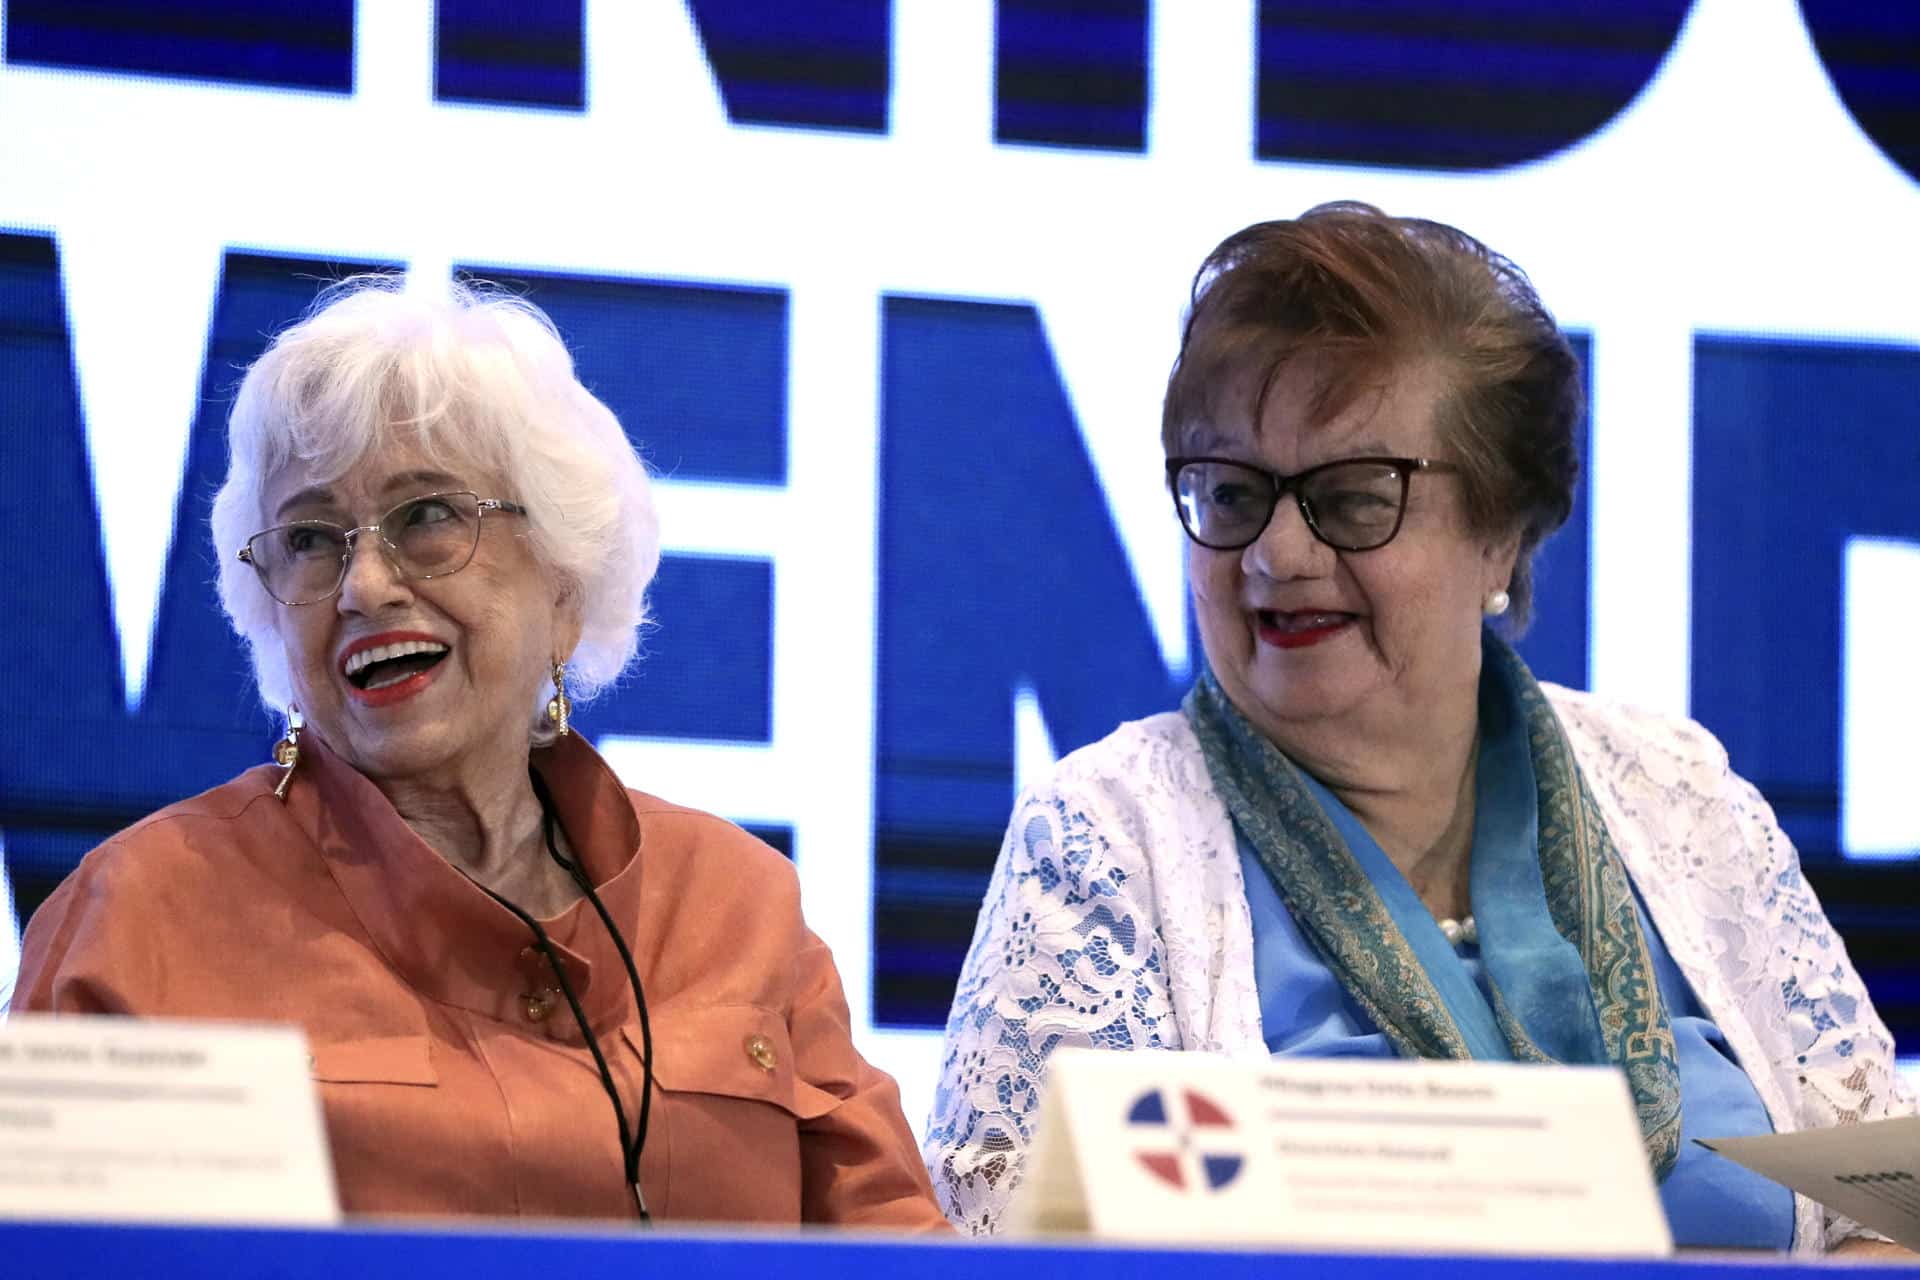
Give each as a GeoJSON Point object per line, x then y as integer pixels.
{"type": "Point", "coordinates": [1351, 504]}
{"type": "Point", "coordinates": [429, 536]}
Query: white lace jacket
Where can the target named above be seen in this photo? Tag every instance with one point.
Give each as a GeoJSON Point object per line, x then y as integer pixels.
{"type": "Point", "coordinates": [1117, 918]}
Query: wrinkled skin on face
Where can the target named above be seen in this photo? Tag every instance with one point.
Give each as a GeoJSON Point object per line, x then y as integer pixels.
{"type": "Point", "coordinates": [503, 619]}
{"type": "Point", "coordinates": [1314, 644]}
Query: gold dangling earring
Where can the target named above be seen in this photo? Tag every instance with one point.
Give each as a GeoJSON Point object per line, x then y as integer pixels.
{"type": "Point", "coordinates": [286, 752]}
{"type": "Point", "coordinates": [559, 707]}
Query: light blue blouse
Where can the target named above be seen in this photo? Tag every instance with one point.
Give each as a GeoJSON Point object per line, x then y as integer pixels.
{"type": "Point", "coordinates": [1304, 1011]}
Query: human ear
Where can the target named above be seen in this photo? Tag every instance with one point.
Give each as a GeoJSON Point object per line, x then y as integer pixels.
{"type": "Point", "coordinates": [1500, 556]}
{"type": "Point", "coordinates": [569, 617]}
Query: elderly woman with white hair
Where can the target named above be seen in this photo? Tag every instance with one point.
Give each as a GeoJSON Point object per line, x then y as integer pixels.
{"type": "Point", "coordinates": [526, 989]}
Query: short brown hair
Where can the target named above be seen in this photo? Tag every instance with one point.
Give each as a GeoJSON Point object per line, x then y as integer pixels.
{"type": "Point", "coordinates": [1362, 294]}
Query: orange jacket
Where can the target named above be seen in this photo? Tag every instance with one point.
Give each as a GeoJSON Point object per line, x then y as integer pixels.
{"type": "Point", "coordinates": [454, 1080]}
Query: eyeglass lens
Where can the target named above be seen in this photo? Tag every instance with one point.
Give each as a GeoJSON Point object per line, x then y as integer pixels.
{"type": "Point", "coordinates": [1354, 506]}
{"type": "Point", "coordinates": [425, 537]}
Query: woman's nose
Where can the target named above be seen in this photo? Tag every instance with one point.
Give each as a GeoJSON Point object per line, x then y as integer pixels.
{"type": "Point", "coordinates": [1287, 547]}
{"type": "Point", "coordinates": [373, 581]}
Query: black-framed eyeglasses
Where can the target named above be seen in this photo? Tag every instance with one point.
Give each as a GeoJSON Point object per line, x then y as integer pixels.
{"type": "Point", "coordinates": [1351, 504]}
{"type": "Point", "coordinates": [426, 537]}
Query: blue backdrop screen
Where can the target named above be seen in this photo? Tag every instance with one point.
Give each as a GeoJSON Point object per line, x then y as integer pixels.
{"type": "Point", "coordinates": [887, 295]}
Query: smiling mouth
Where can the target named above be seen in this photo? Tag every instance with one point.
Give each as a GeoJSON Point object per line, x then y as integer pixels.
{"type": "Point", "coordinates": [389, 664]}
{"type": "Point", "coordinates": [1305, 621]}
{"type": "Point", "coordinates": [1298, 630]}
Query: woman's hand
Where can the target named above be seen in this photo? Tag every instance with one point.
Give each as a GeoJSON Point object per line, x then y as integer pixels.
{"type": "Point", "coordinates": [1859, 1247]}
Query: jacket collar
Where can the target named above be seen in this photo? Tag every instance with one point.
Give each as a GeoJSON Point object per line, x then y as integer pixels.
{"type": "Point", "coordinates": [443, 935]}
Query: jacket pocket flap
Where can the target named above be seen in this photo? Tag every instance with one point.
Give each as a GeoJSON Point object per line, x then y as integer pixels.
{"type": "Point", "coordinates": [735, 1050]}
{"type": "Point", "coordinates": [386, 1060]}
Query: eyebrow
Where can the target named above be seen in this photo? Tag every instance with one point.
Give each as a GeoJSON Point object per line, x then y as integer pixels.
{"type": "Point", "coordinates": [1369, 449]}
{"type": "Point", "coordinates": [1206, 442]}
{"type": "Point", "coordinates": [410, 479]}
{"type": "Point", "coordinates": [322, 496]}
{"type": "Point", "coordinates": [316, 496]}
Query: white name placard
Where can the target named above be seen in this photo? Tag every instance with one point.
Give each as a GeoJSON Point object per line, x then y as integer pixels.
{"type": "Point", "coordinates": [1339, 1153]}
{"type": "Point", "coordinates": [160, 1121]}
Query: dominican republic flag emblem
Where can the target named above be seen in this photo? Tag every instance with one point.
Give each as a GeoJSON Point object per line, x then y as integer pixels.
{"type": "Point", "coordinates": [1185, 1139]}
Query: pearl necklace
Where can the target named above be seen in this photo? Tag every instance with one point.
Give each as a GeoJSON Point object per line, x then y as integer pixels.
{"type": "Point", "coordinates": [1459, 931]}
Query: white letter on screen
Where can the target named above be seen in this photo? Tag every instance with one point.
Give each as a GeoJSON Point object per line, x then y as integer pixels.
{"type": "Point", "coordinates": [1033, 750]}
{"type": "Point", "coordinates": [1879, 812]}
{"type": "Point", "coordinates": [9, 937]}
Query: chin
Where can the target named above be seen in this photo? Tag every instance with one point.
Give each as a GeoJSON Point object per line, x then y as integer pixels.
{"type": "Point", "coordinates": [1305, 700]}
{"type": "Point", "coordinates": [399, 753]}
{"type": "Point", "coordinates": [1294, 708]}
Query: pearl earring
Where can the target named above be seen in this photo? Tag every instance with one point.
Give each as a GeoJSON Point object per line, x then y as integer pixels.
{"type": "Point", "coordinates": [1495, 604]}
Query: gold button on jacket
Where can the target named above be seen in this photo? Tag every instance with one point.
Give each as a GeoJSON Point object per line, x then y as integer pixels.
{"type": "Point", "coordinates": [760, 1049]}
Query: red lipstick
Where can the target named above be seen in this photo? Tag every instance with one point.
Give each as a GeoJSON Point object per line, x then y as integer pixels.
{"type": "Point", "coordinates": [1282, 630]}
{"type": "Point", "coordinates": [375, 641]}
{"type": "Point", "coordinates": [400, 690]}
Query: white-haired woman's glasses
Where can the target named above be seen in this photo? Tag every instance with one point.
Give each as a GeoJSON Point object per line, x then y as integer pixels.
{"type": "Point", "coordinates": [426, 537]}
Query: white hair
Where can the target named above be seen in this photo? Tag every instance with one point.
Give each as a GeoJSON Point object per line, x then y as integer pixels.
{"type": "Point", "coordinates": [476, 378]}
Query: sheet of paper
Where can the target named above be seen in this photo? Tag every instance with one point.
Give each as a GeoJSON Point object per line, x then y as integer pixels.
{"type": "Point", "coordinates": [160, 1121]}
{"type": "Point", "coordinates": [1870, 1172]}
{"type": "Point", "coordinates": [1385, 1155]}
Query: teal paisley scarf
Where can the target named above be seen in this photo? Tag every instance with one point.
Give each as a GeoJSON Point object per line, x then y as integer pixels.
{"type": "Point", "coordinates": [1556, 913]}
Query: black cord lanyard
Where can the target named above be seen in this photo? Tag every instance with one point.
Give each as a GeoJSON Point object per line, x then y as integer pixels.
{"type": "Point", "coordinates": [632, 1141]}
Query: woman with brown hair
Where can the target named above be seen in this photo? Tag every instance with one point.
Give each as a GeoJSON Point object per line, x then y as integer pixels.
{"type": "Point", "coordinates": [1370, 831]}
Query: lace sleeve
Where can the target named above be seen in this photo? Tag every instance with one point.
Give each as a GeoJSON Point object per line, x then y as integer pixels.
{"type": "Point", "coordinates": [1723, 882]}
{"type": "Point", "coordinates": [1843, 1065]}
{"type": "Point", "coordinates": [1066, 953]}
